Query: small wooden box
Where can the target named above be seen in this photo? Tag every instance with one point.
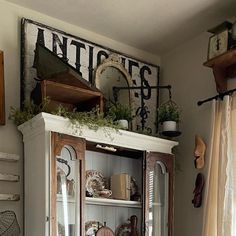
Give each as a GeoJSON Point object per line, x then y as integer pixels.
{"type": "Point", "coordinates": [120, 186]}
{"type": "Point", "coordinates": [69, 96]}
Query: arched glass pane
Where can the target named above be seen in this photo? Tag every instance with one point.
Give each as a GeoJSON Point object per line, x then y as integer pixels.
{"type": "Point", "coordinates": [67, 192]}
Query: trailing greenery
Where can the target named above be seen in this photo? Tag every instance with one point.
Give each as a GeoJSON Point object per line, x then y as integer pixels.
{"type": "Point", "coordinates": [118, 111]}
{"type": "Point", "coordinates": [94, 119]}
{"type": "Point", "coordinates": [168, 112]}
{"type": "Point", "coordinates": [28, 111]}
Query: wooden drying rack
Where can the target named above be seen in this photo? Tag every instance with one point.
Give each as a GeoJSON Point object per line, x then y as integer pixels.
{"type": "Point", "coordinates": [6, 157]}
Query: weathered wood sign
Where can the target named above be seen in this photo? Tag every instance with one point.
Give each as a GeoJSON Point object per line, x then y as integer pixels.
{"type": "Point", "coordinates": [85, 56]}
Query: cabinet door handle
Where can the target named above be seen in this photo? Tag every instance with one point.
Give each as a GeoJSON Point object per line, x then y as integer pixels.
{"type": "Point", "coordinates": [47, 218]}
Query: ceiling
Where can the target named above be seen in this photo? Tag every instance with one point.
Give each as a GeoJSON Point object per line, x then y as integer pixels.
{"type": "Point", "coordinates": [156, 26]}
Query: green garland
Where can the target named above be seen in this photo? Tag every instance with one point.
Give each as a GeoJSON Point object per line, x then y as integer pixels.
{"type": "Point", "coordinates": [94, 119]}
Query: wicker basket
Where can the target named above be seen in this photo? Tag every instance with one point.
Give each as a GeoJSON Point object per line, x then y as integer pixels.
{"type": "Point", "coordinates": [8, 224]}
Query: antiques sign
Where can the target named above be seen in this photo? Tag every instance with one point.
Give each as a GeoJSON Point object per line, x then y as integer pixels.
{"type": "Point", "coordinates": [85, 56]}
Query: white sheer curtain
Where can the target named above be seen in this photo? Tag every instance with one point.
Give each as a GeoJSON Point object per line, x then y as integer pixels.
{"type": "Point", "coordinates": [220, 189]}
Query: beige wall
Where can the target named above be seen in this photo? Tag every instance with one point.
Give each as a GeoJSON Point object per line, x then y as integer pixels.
{"type": "Point", "coordinates": [10, 138]}
{"type": "Point", "coordinates": [191, 82]}
{"type": "Point", "coordinates": [182, 69]}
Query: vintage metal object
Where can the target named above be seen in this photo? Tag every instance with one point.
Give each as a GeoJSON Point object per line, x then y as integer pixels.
{"type": "Point", "coordinates": [105, 231]}
{"type": "Point", "coordinates": [134, 225]}
{"type": "Point", "coordinates": [62, 84]}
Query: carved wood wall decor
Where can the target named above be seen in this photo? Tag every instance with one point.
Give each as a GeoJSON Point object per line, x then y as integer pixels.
{"type": "Point", "coordinates": [2, 92]}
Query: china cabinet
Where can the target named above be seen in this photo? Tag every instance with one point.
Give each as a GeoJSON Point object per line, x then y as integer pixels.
{"type": "Point", "coordinates": [59, 159]}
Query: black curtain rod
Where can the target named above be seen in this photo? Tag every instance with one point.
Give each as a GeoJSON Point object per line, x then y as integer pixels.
{"type": "Point", "coordinates": [220, 95]}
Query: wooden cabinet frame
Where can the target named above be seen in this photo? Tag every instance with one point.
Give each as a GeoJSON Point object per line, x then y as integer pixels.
{"type": "Point", "coordinates": [167, 160]}
{"type": "Point", "coordinates": [78, 144]}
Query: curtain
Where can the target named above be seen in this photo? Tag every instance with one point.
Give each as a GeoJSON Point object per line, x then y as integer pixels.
{"type": "Point", "coordinates": [220, 189]}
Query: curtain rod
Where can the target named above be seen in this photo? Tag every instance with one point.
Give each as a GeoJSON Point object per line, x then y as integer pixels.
{"type": "Point", "coordinates": [220, 95]}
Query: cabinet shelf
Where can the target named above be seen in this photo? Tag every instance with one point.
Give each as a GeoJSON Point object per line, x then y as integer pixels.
{"type": "Point", "coordinates": [70, 199]}
{"type": "Point", "coordinates": [104, 202]}
{"type": "Point", "coordinates": [112, 202]}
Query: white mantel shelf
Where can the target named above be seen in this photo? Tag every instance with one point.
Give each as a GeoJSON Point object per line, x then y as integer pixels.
{"type": "Point", "coordinates": [47, 122]}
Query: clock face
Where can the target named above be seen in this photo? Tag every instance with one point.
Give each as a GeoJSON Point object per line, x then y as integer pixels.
{"type": "Point", "coordinates": [218, 44]}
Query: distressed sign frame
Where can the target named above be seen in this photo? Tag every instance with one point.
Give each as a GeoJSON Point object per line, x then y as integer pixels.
{"type": "Point", "coordinates": [85, 56]}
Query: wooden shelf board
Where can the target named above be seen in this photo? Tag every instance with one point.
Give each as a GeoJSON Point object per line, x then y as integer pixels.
{"type": "Point", "coordinates": [9, 177]}
{"type": "Point", "coordinates": [113, 202]}
{"type": "Point", "coordinates": [9, 197]}
{"type": "Point", "coordinates": [9, 157]}
{"type": "Point", "coordinates": [68, 94]}
{"type": "Point", "coordinates": [73, 79]}
{"type": "Point", "coordinates": [224, 60]}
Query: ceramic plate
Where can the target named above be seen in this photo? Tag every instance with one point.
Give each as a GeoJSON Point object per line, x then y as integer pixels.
{"type": "Point", "coordinates": [91, 227]}
{"type": "Point", "coordinates": [94, 181]}
{"type": "Point", "coordinates": [123, 230]}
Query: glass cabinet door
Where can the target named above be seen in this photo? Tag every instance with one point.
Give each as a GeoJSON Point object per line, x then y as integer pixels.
{"type": "Point", "coordinates": [67, 194]}
{"type": "Point", "coordinates": [159, 195]}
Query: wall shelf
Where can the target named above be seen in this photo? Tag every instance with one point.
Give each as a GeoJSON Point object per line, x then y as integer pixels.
{"type": "Point", "coordinates": [9, 197]}
{"type": "Point", "coordinates": [224, 60]}
{"type": "Point", "coordinates": [224, 67]}
{"type": "Point", "coordinates": [9, 157]}
{"type": "Point", "coordinates": [9, 177]}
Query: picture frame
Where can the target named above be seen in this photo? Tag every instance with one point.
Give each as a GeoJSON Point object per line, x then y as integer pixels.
{"type": "Point", "coordinates": [218, 44]}
{"type": "Point", "coordinates": [2, 90]}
